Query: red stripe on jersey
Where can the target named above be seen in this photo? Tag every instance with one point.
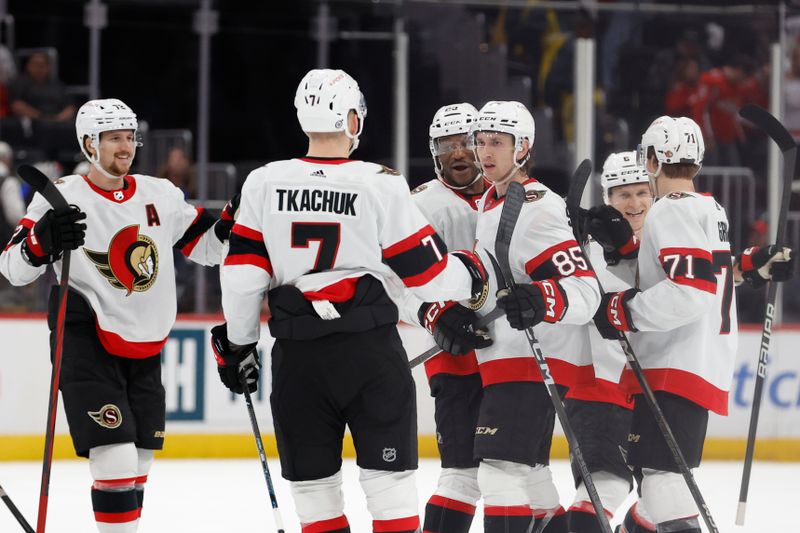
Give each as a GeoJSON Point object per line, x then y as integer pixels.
{"type": "Point", "coordinates": [454, 365]}
{"type": "Point", "coordinates": [412, 241]}
{"type": "Point", "coordinates": [324, 161]}
{"type": "Point", "coordinates": [341, 291]}
{"type": "Point", "coordinates": [410, 523]}
{"type": "Point", "coordinates": [250, 259]}
{"type": "Point", "coordinates": [525, 368]}
{"type": "Point", "coordinates": [694, 252]}
{"type": "Point", "coordinates": [700, 284]}
{"type": "Point", "coordinates": [587, 507]}
{"type": "Point", "coordinates": [188, 247]}
{"type": "Point", "coordinates": [114, 483]}
{"type": "Point", "coordinates": [507, 510]}
{"type": "Point", "coordinates": [118, 196]}
{"type": "Point", "coordinates": [573, 261]}
{"type": "Point", "coordinates": [454, 505]}
{"type": "Point", "coordinates": [680, 382]}
{"type": "Point", "coordinates": [141, 480]}
{"type": "Point", "coordinates": [247, 233]}
{"type": "Point", "coordinates": [114, 344]}
{"type": "Point", "coordinates": [602, 390]}
{"type": "Point", "coordinates": [423, 278]}
{"type": "Point", "coordinates": [333, 524]}
{"type": "Point", "coordinates": [116, 518]}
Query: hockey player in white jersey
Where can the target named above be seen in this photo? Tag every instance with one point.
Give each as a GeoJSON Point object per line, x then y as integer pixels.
{"type": "Point", "coordinates": [556, 293]}
{"type": "Point", "coordinates": [325, 235]}
{"type": "Point", "coordinates": [121, 303]}
{"type": "Point", "coordinates": [450, 203]}
{"type": "Point", "coordinates": [600, 412]}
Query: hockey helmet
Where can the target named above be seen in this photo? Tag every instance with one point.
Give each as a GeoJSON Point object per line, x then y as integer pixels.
{"type": "Point", "coordinates": [621, 168]}
{"type": "Point", "coordinates": [96, 116]}
{"type": "Point", "coordinates": [674, 140]}
{"type": "Point", "coordinates": [450, 120]}
{"type": "Point", "coordinates": [324, 99]}
{"type": "Point", "coordinates": [506, 117]}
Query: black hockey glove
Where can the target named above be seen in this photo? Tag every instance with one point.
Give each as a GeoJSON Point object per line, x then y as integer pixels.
{"type": "Point", "coordinates": [765, 263]}
{"type": "Point", "coordinates": [610, 229]}
{"type": "Point", "coordinates": [613, 316]}
{"type": "Point", "coordinates": [476, 271]}
{"type": "Point", "coordinates": [451, 325]}
{"type": "Point", "coordinates": [530, 303]}
{"type": "Point", "coordinates": [234, 361]}
{"type": "Point", "coordinates": [227, 218]}
{"type": "Point", "coordinates": [55, 232]}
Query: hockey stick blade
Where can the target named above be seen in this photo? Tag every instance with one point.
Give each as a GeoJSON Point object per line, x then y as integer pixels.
{"type": "Point", "coordinates": [576, 187]}
{"type": "Point", "coordinates": [43, 185]}
{"type": "Point", "coordinates": [512, 206]}
{"type": "Point", "coordinates": [779, 134]}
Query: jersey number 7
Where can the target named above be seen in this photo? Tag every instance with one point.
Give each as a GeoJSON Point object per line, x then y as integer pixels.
{"type": "Point", "coordinates": [327, 234]}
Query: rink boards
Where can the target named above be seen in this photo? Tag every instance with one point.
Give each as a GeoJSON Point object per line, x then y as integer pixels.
{"type": "Point", "coordinates": [205, 420]}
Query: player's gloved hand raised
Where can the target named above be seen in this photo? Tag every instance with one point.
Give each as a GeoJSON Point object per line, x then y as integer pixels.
{"type": "Point", "coordinates": [613, 316]}
{"type": "Point", "coordinates": [56, 231]}
{"type": "Point", "coordinates": [227, 218]}
{"type": "Point", "coordinates": [527, 304]}
{"type": "Point", "coordinates": [234, 361]}
{"type": "Point", "coordinates": [760, 264]}
{"type": "Point", "coordinates": [452, 327]}
{"type": "Point", "coordinates": [610, 229]}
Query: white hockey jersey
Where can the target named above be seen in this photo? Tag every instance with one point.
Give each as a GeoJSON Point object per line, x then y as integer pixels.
{"type": "Point", "coordinates": [608, 358]}
{"type": "Point", "coordinates": [542, 247]}
{"type": "Point", "coordinates": [454, 216]}
{"type": "Point", "coordinates": [125, 270]}
{"type": "Point", "coordinates": [686, 312]}
{"type": "Point", "coordinates": [320, 224]}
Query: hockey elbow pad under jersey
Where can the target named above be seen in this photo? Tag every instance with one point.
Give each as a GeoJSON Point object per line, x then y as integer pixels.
{"type": "Point", "coordinates": [452, 327]}
{"type": "Point", "coordinates": [613, 316]}
{"type": "Point", "coordinates": [527, 304]}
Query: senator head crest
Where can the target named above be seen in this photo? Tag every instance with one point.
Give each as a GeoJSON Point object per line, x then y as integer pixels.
{"type": "Point", "coordinates": [131, 262]}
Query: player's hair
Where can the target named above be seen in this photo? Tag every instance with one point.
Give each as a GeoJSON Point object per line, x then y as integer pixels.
{"type": "Point", "coordinates": [680, 171]}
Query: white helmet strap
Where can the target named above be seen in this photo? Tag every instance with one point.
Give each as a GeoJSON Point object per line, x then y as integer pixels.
{"type": "Point", "coordinates": [95, 160]}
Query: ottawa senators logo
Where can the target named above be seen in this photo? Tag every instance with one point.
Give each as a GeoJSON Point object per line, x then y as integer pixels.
{"type": "Point", "coordinates": [388, 170]}
{"type": "Point", "coordinates": [131, 262]}
{"type": "Point", "coordinates": [109, 416]}
{"type": "Point", "coordinates": [532, 196]}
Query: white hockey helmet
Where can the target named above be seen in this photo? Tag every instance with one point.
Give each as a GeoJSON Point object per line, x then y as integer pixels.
{"type": "Point", "coordinates": [674, 140]}
{"type": "Point", "coordinates": [449, 120]}
{"type": "Point", "coordinates": [507, 117]}
{"type": "Point", "coordinates": [96, 116]}
{"type": "Point", "coordinates": [324, 100]}
{"type": "Point", "coordinates": [621, 168]}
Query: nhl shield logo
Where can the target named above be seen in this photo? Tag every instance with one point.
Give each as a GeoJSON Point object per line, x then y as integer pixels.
{"type": "Point", "coordinates": [131, 262]}
{"type": "Point", "coordinates": [109, 416]}
{"type": "Point", "coordinates": [389, 455]}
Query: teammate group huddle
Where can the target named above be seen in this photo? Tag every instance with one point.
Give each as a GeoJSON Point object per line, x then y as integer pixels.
{"type": "Point", "coordinates": [343, 251]}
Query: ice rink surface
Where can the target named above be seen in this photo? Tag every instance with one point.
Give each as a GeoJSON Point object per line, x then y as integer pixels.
{"type": "Point", "coordinates": [222, 496]}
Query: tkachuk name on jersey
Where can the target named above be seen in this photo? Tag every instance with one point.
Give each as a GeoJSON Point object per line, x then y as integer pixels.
{"type": "Point", "coordinates": [318, 199]}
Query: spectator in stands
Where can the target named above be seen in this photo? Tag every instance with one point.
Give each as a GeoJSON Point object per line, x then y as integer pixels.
{"type": "Point", "coordinates": [37, 95]}
{"type": "Point", "coordinates": [717, 111]}
{"type": "Point", "coordinates": [684, 90]}
{"type": "Point", "coordinates": [179, 170]}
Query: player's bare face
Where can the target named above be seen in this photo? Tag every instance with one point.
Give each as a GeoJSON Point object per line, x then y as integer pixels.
{"type": "Point", "coordinates": [495, 154]}
{"type": "Point", "coordinates": [117, 149]}
{"type": "Point", "coordinates": [633, 201]}
{"type": "Point", "coordinates": [458, 162]}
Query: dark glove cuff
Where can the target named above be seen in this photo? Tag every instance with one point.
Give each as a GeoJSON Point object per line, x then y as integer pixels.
{"type": "Point", "coordinates": [34, 259]}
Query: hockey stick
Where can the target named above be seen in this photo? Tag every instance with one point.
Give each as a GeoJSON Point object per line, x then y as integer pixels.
{"type": "Point", "coordinates": [16, 512]}
{"type": "Point", "coordinates": [484, 321]}
{"type": "Point", "coordinates": [512, 205]}
{"type": "Point", "coordinates": [42, 184]}
{"type": "Point", "coordinates": [574, 195]}
{"type": "Point", "coordinates": [261, 454]}
{"type": "Point", "coordinates": [777, 132]}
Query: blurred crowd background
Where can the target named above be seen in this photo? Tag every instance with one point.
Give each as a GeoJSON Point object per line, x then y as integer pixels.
{"type": "Point", "coordinates": [704, 59]}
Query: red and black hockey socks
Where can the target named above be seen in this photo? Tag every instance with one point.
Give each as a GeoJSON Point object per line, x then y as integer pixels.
{"type": "Point", "coordinates": [507, 518]}
{"type": "Point", "coordinates": [553, 521]}
{"type": "Point", "coordinates": [445, 515]}
{"type": "Point", "coordinates": [582, 519]}
{"type": "Point", "coordinates": [140, 481]}
{"type": "Point", "coordinates": [333, 525]}
{"type": "Point", "coordinates": [116, 510]}
{"type": "Point", "coordinates": [635, 523]}
{"type": "Point", "coordinates": [409, 524]}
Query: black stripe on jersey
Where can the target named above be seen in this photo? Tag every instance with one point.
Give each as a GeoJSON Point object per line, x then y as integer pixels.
{"type": "Point", "coordinates": [559, 261]}
{"type": "Point", "coordinates": [417, 259]}
{"type": "Point", "coordinates": [244, 245]}
{"type": "Point", "coordinates": [196, 229]}
{"type": "Point", "coordinates": [693, 267]}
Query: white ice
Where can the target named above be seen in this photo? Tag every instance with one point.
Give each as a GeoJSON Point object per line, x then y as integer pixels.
{"type": "Point", "coordinates": [221, 496]}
